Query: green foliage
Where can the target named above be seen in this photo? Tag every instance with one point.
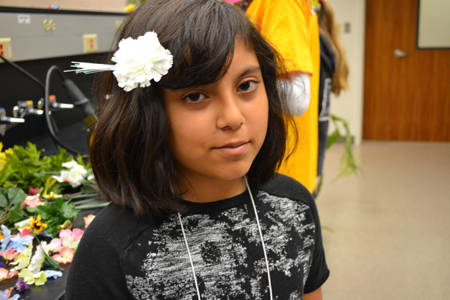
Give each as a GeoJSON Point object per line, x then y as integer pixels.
{"type": "Point", "coordinates": [10, 200]}
{"type": "Point", "coordinates": [23, 165]}
{"type": "Point", "coordinates": [57, 213]}
{"type": "Point", "coordinates": [348, 164]}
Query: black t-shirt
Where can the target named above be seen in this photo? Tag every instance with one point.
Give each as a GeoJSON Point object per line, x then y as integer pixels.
{"type": "Point", "coordinates": [123, 257]}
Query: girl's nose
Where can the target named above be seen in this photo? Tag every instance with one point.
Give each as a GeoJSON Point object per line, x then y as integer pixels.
{"type": "Point", "coordinates": [229, 114]}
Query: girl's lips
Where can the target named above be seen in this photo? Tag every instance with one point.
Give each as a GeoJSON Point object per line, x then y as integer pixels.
{"type": "Point", "coordinates": [234, 149]}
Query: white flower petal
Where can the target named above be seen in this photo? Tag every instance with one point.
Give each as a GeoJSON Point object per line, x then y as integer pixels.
{"type": "Point", "coordinates": [138, 61]}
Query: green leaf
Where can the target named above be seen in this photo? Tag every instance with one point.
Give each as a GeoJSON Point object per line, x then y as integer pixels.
{"type": "Point", "coordinates": [17, 215]}
{"type": "Point", "coordinates": [80, 161]}
{"type": "Point", "coordinates": [16, 195]}
{"type": "Point", "coordinates": [3, 200]}
{"type": "Point", "coordinates": [332, 138]}
{"type": "Point", "coordinates": [68, 210]}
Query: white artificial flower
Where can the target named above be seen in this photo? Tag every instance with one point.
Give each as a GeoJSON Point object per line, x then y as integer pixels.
{"type": "Point", "coordinates": [38, 258]}
{"type": "Point", "coordinates": [70, 164]}
{"type": "Point", "coordinates": [138, 61]}
{"type": "Point", "coordinates": [91, 178]}
{"type": "Point", "coordinates": [23, 223]}
{"type": "Point", "coordinates": [75, 175]}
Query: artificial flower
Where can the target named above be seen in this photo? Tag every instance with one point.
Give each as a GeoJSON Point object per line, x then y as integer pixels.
{"type": "Point", "coordinates": [74, 175]}
{"type": "Point", "coordinates": [65, 255]}
{"type": "Point", "coordinates": [38, 278]}
{"type": "Point", "coordinates": [22, 260]}
{"type": "Point", "coordinates": [91, 178]}
{"type": "Point", "coordinates": [24, 224]}
{"type": "Point", "coordinates": [9, 254]}
{"type": "Point", "coordinates": [6, 237]}
{"type": "Point", "coordinates": [31, 201]}
{"type": "Point", "coordinates": [33, 224]}
{"type": "Point", "coordinates": [66, 225]}
{"type": "Point", "coordinates": [129, 8]}
{"type": "Point", "coordinates": [75, 234]}
{"type": "Point", "coordinates": [138, 61]}
{"type": "Point", "coordinates": [39, 225]}
{"type": "Point", "coordinates": [33, 191]}
{"type": "Point", "coordinates": [38, 258]}
{"type": "Point", "coordinates": [4, 274]}
{"type": "Point", "coordinates": [54, 246]}
{"type": "Point", "coordinates": [21, 285]}
{"type": "Point", "coordinates": [54, 274]}
{"type": "Point", "coordinates": [4, 157]}
{"type": "Point", "coordinates": [18, 241]}
{"type": "Point", "coordinates": [88, 220]}
{"type": "Point", "coordinates": [51, 195]}
{"type": "Point", "coordinates": [6, 295]}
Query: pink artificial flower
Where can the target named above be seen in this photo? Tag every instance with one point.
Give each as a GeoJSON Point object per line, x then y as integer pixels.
{"type": "Point", "coordinates": [74, 235]}
{"type": "Point", "coordinates": [77, 234]}
{"type": "Point", "coordinates": [65, 255]}
{"type": "Point", "coordinates": [33, 191]}
{"type": "Point", "coordinates": [55, 245]}
{"type": "Point", "coordinates": [9, 254]}
{"type": "Point", "coordinates": [88, 220]}
{"type": "Point", "coordinates": [65, 233]}
{"type": "Point", "coordinates": [31, 201]}
{"type": "Point", "coordinates": [4, 274]}
{"type": "Point", "coordinates": [8, 291]}
{"type": "Point", "coordinates": [71, 238]}
{"type": "Point", "coordinates": [25, 232]}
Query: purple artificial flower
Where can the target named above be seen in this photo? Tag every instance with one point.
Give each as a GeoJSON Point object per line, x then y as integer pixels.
{"type": "Point", "coordinates": [21, 285]}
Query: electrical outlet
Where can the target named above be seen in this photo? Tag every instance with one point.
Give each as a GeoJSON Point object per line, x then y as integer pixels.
{"type": "Point", "coordinates": [5, 48]}
{"type": "Point", "coordinates": [90, 44]}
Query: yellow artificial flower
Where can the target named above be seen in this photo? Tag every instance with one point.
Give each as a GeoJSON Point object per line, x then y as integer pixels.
{"type": "Point", "coordinates": [22, 260]}
{"type": "Point", "coordinates": [38, 278]}
{"type": "Point", "coordinates": [129, 7]}
{"type": "Point", "coordinates": [3, 157]}
{"type": "Point", "coordinates": [37, 225]}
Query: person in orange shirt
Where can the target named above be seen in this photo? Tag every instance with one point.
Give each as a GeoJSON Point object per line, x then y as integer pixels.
{"type": "Point", "coordinates": [292, 28]}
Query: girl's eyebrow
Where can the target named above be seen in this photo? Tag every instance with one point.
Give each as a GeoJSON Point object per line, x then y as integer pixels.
{"type": "Point", "coordinates": [250, 70]}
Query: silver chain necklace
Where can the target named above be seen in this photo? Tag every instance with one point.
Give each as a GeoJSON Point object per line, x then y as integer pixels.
{"type": "Point", "coordinates": [260, 234]}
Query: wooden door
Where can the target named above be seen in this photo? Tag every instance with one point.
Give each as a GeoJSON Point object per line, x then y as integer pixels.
{"type": "Point", "coordinates": [405, 98]}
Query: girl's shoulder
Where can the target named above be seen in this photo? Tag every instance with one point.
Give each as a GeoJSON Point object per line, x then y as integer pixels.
{"type": "Point", "coordinates": [287, 187]}
{"type": "Point", "coordinates": [115, 228]}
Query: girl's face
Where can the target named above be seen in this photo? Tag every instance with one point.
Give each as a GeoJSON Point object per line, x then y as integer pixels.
{"type": "Point", "coordinates": [217, 130]}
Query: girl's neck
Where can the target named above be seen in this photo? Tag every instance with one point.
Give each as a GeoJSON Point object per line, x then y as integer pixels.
{"type": "Point", "coordinates": [203, 191]}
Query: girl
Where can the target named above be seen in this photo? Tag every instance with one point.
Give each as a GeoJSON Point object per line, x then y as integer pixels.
{"type": "Point", "coordinates": [189, 135]}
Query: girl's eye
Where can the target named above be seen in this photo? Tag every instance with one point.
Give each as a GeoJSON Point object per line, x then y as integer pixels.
{"type": "Point", "coordinates": [194, 97]}
{"type": "Point", "coordinates": [247, 86]}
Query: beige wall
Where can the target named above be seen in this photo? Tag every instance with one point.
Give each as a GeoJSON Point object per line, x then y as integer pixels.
{"type": "Point", "coordinates": [349, 104]}
{"type": "Point", "coordinates": [93, 5]}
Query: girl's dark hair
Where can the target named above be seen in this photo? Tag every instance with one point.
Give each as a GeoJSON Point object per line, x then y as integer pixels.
{"type": "Point", "coordinates": [129, 152]}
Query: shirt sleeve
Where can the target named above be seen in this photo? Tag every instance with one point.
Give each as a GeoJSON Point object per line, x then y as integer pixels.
{"type": "Point", "coordinates": [319, 271]}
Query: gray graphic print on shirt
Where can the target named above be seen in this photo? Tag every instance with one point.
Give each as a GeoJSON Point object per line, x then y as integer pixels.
{"type": "Point", "coordinates": [227, 253]}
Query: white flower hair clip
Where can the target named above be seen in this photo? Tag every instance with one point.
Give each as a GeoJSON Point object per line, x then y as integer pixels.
{"type": "Point", "coordinates": [138, 61]}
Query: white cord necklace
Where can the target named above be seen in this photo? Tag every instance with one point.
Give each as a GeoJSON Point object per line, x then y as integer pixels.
{"type": "Point", "coordinates": [260, 234]}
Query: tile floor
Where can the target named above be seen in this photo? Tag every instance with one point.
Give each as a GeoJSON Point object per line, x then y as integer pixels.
{"type": "Point", "coordinates": [387, 232]}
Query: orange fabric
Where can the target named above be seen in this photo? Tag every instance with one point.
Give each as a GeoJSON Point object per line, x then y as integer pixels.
{"type": "Point", "coordinates": [293, 30]}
